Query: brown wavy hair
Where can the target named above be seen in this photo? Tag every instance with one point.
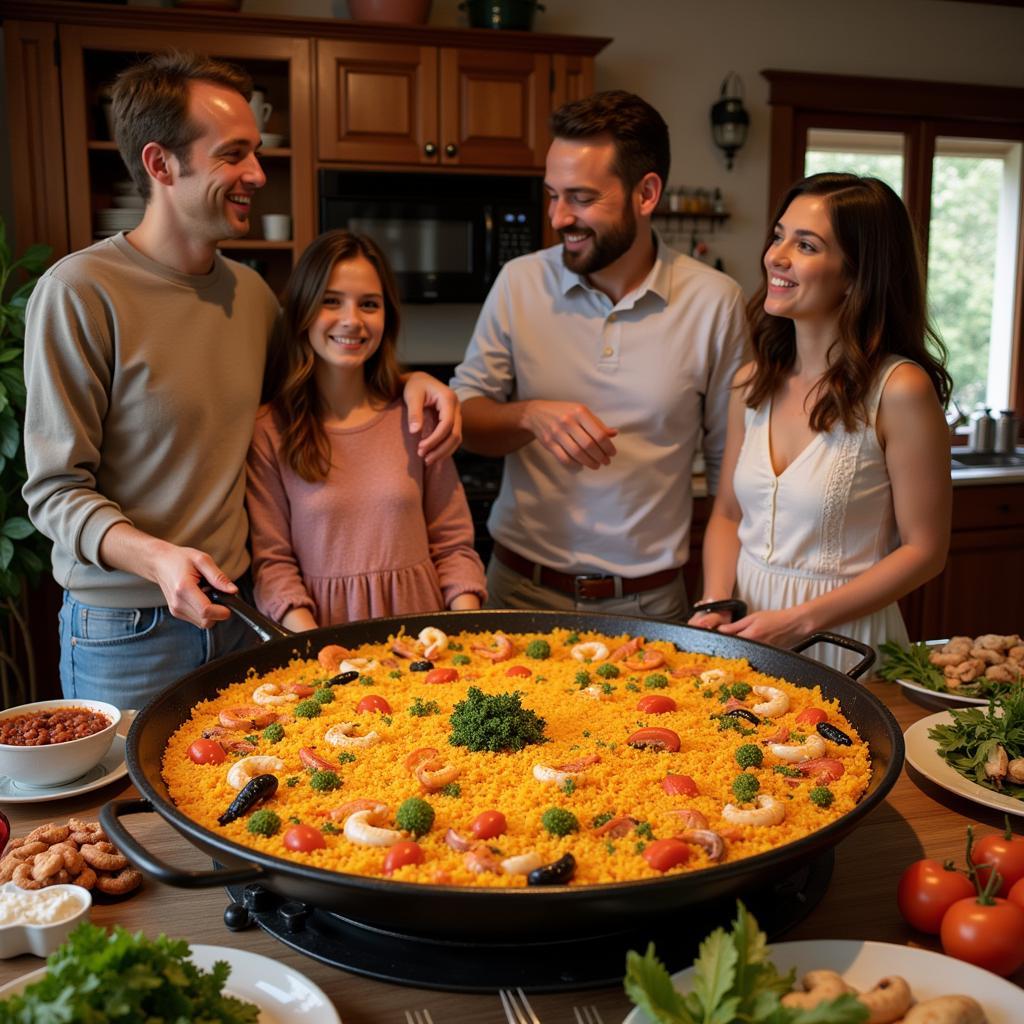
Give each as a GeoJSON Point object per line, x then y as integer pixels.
{"type": "Point", "coordinates": [294, 396]}
{"type": "Point", "coordinates": [882, 314]}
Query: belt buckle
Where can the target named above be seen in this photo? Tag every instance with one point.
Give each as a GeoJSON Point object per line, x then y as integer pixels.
{"type": "Point", "coordinates": [580, 582]}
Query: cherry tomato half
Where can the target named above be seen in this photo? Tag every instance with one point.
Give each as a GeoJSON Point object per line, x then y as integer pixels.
{"type": "Point", "coordinates": [655, 704]}
{"type": "Point", "coordinates": [1005, 854]}
{"type": "Point", "coordinates": [301, 689]}
{"type": "Point", "coordinates": [812, 716]}
{"type": "Point", "coordinates": [655, 738]}
{"type": "Point", "coordinates": [926, 891]}
{"type": "Point", "coordinates": [488, 825]}
{"type": "Point", "coordinates": [304, 838]}
{"type": "Point", "coordinates": [663, 854]}
{"type": "Point", "coordinates": [990, 937]}
{"type": "Point", "coordinates": [518, 670]}
{"type": "Point", "coordinates": [680, 785]}
{"type": "Point", "coordinates": [1017, 893]}
{"type": "Point", "coordinates": [441, 675]}
{"type": "Point", "coordinates": [206, 752]}
{"type": "Point", "coordinates": [405, 852]}
{"type": "Point", "coordinates": [372, 702]}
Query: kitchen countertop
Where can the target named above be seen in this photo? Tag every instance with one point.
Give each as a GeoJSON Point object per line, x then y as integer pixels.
{"type": "Point", "coordinates": [917, 820]}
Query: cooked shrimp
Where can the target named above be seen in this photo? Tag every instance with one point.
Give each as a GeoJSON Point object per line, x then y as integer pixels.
{"type": "Point", "coordinates": [248, 716]}
{"type": "Point", "coordinates": [593, 692]}
{"type": "Point", "coordinates": [22, 877]}
{"type": "Point", "coordinates": [331, 656]}
{"type": "Point", "coordinates": [715, 677]}
{"type": "Point", "coordinates": [821, 986]}
{"type": "Point", "coordinates": [987, 655]}
{"type": "Point", "coordinates": [359, 804]}
{"type": "Point", "coordinates": [248, 768]}
{"type": "Point", "coordinates": [104, 857]}
{"type": "Point", "coordinates": [966, 672]}
{"type": "Point", "coordinates": [544, 773]}
{"type": "Point", "coordinates": [361, 830]}
{"type": "Point", "coordinates": [360, 665]}
{"type": "Point", "coordinates": [777, 702]}
{"type": "Point", "coordinates": [481, 859]}
{"type": "Point", "coordinates": [522, 864]}
{"type": "Point", "coordinates": [812, 747]}
{"type": "Point", "coordinates": [434, 642]}
{"type": "Point", "coordinates": [887, 1001]}
{"type": "Point", "coordinates": [767, 811]}
{"type": "Point", "coordinates": [647, 661]}
{"type": "Point", "coordinates": [689, 817]}
{"type": "Point", "coordinates": [592, 650]}
{"type": "Point", "coordinates": [270, 693]}
{"type": "Point", "coordinates": [628, 648]}
{"type": "Point", "coordinates": [340, 735]}
{"type": "Point", "coordinates": [996, 763]}
{"type": "Point", "coordinates": [503, 650]}
{"type": "Point", "coordinates": [432, 778]}
{"type": "Point", "coordinates": [1015, 770]}
{"type": "Point", "coordinates": [404, 649]}
{"type": "Point", "coordinates": [947, 659]}
{"type": "Point", "coordinates": [710, 842]}
{"type": "Point", "coordinates": [117, 885]}
{"type": "Point", "coordinates": [616, 828]}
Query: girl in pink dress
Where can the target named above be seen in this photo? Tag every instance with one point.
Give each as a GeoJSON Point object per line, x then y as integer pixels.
{"type": "Point", "coordinates": [348, 521]}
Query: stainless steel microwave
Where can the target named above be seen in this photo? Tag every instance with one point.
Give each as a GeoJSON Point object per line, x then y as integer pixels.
{"type": "Point", "coordinates": [445, 236]}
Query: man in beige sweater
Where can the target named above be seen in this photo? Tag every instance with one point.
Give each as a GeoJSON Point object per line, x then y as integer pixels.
{"type": "Point", "coordinates": [144, 358]}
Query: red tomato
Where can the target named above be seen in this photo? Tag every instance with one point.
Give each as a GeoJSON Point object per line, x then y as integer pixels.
{"type": "Point", "coordinates": [654, 738]}
{"type": "Point", "coordinates": [518, 670]}
{"type": "Point", "coordinates": [679, 785]}
{"type": "Point", "coordinates": [488, 825]}
{"type": "Point", "coordinates": [663, 854]}
{"type": "Point", "coordinates": [441, 675]}
{"type": "Point", "coordinates": [206, 752]}
{"type": "Point", "coordinates": [1006, 855]}
{"type": "Point", "coordinates": [653, 704]}
{"type": "Point", "coordinates": [990, 937]}
{"type": "Point", "coordinates": [926, 891]}
{"type": "Point", "coordinates": [812, 716]}
{"type": "Point", "coordinates": [303, 838]}
{"type": "Point", "coordinates": [405, 852]}
{"type": "Point", "coordinates": [301, 689]}
{"type": "Point", "coordinates": [371, 702]}
{"type": "Point", "coordinates": [1017, 893]}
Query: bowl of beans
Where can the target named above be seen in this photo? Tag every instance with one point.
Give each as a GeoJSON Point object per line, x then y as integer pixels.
{"type": "Point", "coordinates": [52, 742]}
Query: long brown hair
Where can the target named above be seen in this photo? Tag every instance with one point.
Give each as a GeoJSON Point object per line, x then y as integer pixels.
{"type": "Point", "coordinates": [296, 403]}
{"type": "Point", "coordinates": [882, 314]}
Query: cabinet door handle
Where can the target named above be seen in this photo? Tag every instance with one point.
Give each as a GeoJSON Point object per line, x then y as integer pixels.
{"type": "Point", "coordinates": [430, 149]}
{"type": "Point", "coordinates": [451, 149]}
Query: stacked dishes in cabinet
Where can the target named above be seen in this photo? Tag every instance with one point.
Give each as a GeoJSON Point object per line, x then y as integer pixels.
{"type": "Point", "coordinates": [124, 214]}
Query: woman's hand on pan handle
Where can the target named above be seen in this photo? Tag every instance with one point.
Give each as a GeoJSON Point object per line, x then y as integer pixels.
{"type": "Point", "coordinates": [780, 628]}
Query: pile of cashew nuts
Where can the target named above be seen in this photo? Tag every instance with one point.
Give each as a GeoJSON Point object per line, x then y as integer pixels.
{"type": "Point", "coordinates": [997, 658]}
{"type": "Point", "coordinates": [889, 1002]}
{"type": "Point", "coordinates": [78, 853]}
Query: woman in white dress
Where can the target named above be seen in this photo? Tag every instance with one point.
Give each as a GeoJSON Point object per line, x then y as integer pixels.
{"type": "Point", "coordinates": [835, 492]}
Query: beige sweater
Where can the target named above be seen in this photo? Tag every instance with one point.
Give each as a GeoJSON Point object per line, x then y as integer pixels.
{"type": "Point", "coordinates": [143, 386]}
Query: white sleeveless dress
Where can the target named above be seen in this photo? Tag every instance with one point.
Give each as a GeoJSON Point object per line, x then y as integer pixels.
{"type": "Point", "coordinates": [824, 520]}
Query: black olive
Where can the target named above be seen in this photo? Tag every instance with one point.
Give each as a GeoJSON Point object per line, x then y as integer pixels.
{"type": "Point", "coordinates": [553, 874]}
{"type": "Point", "coordinates": [830, 732]}
{"type": "Point", "coordinates": [260, 787]}
{"type": "Point", "coordinates": [743, 713]}
{"type": "Point", "coordinates": [343, 679]}
{"type": "Point", "coordinates": [420, 666]}
{"type": "Point", "coordinates": [236, 917]}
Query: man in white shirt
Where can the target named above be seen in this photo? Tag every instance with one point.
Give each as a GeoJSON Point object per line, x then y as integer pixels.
{"type": "Point", "coordinates": [596, 368]}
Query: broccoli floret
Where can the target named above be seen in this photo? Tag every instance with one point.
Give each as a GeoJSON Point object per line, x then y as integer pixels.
{"type": "Point", "coordinates": [324, 781]}
{"type": "Point", "coordinates": [324, 695]}
{"type": "Point", "coordinates": [460, 659]}
{"type": "Point", "coordinates": [415, 815]}
{"type": "Point", "coordinates": [494, 722]}
{"type": "Point", "coordinates": [602, 818]}
{"type": "Point", "coordinates": [568, 787]}
{"type": "Point", "coordinates": [559, 822]}
{"type": "Point", "coordinates": [253, 739]}
{"type": "Point", "coordinates": [749, 755]}
{"type": "Point", "coordinates": [307, 709]}
{"type": "Point", "coordinates": [789, 773]}
{"type": "Point", "coordinates": [607, 688]}
{"type": "Point", "coordinates": [608, 671]}
{"type": "Point", "coordinates": [420, 708]}
{"type": "Point", "coordinates": [368, 680]}
{"type": "Point", "coordinates": [582, 678]}
{"type": "Point", "coordinates": [745, 787]}
{"type": "Point", "coordinates": [345, 757]}
{"type": "Point", "coordinates": [740, 690]}
{"type": "Point", "coordinates": [274, 732]}
{"type": "Point", "coordinates": [632, 687]}
{"type": "Point", "coordinates": [656, 681]}
{"type": "Point", "coordinates": [453, 646]}
{"type": "Point", "coordinates": [292, 780]}
{"type": "Point", "coordinates": [264, 823]}
{"type": "Point", "coordinates": [329, 828]}
{"type": "Point", "coordinates": [821, 796]}
{"type": "Point", "coordinates": [643, 828]}
{"type": "Point", "coordinates": [572, 638]}
{"type": "Point", "coordinates": [451, 789]}
{"type": "Point", "coordinates": [538, 649]}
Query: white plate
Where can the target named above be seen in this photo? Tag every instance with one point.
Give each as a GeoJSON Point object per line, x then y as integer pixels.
{"type": "Point", "coordinates": [864, 964]}
{"type": "Point", "coordinates": [923, 754]}
{"type": "Point", "coordinates": [941, 698]}
{"type": "Point", "coordinates": [283, 995]}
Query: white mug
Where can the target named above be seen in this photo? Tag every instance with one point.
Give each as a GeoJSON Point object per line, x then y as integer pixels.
{"type": "Point", "coordinates": [277, 227]}
{"type": "Point", "coordinates": [261, 109]}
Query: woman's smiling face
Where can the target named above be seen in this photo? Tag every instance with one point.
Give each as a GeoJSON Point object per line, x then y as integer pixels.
{"type": "Point", "coordinates": [804, 267]}
{"type": "Point", "coordinates": [349, 327]}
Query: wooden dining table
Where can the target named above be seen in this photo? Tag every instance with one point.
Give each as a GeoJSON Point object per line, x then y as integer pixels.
{"type": "Point", "coordinates": [918, 819]}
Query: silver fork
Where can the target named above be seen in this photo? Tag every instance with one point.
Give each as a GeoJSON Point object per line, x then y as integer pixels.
{"type": "Point", "coordinates": [587, 1015]}
{"type": "Point", "coordinates": [517, 1007]}
{"type": "Point", "coordinates": [418, 1017]}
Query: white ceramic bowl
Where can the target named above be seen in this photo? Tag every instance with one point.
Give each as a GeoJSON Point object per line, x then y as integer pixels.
{"type": "Point", "coordinates": [53, 764]}
{"type": "Point", "coordinates": [271, 140]}
{"type": "Point", "coordinates": [41, 939]}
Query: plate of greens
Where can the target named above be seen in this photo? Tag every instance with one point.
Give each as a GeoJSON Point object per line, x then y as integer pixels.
{"type": "Point", "coordinates": [737, 976]}
{"type": "Point", "coordinates": [910, 668]}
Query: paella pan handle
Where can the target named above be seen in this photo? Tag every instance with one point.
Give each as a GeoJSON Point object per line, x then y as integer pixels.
{"type": "Point", "coordinates": [729, 604]}
{"type": "Point", "coordinates": [266, 629]}
{"type": "Point", "coordinates": [866, 653]}
{"type": "Point", "coordinates": [110, 817]}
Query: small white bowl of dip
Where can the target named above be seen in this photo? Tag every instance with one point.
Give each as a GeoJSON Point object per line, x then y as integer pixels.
{"type": "Point", "coordinates": [38, 921]}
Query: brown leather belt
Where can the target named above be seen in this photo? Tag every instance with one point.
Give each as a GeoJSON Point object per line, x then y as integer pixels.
{"type": "Point", "coordinates": [587, 586]}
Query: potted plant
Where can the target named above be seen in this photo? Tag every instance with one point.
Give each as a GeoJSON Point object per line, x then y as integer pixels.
{"type": "Point", "coordinates": [23, 550]}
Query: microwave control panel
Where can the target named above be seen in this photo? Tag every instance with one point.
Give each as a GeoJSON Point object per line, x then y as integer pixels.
{"type": "Point", "coordinates": [516, 232]}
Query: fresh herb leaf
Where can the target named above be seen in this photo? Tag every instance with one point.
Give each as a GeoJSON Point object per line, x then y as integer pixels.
{"type": "Point", "coordinates": [648, 985]}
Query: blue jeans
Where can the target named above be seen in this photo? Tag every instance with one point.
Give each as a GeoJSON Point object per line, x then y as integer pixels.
{"type": "Point", "coordinates": [126, 656]}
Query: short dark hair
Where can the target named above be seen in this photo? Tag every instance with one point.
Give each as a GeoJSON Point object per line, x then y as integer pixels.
{"type": "Point", "coordinates": [637, 129]}
{"type": "Point", "coordinates": [150, 104]}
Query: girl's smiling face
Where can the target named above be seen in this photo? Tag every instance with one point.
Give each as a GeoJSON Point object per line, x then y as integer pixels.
{"type": "Point", "coordinates": [804, 267]}
{"type": "Point", "coordinates": [350, 324]}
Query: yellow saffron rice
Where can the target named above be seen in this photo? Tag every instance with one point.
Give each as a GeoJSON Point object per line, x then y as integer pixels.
{"type": "Point", "coordinates": [626, 780]}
